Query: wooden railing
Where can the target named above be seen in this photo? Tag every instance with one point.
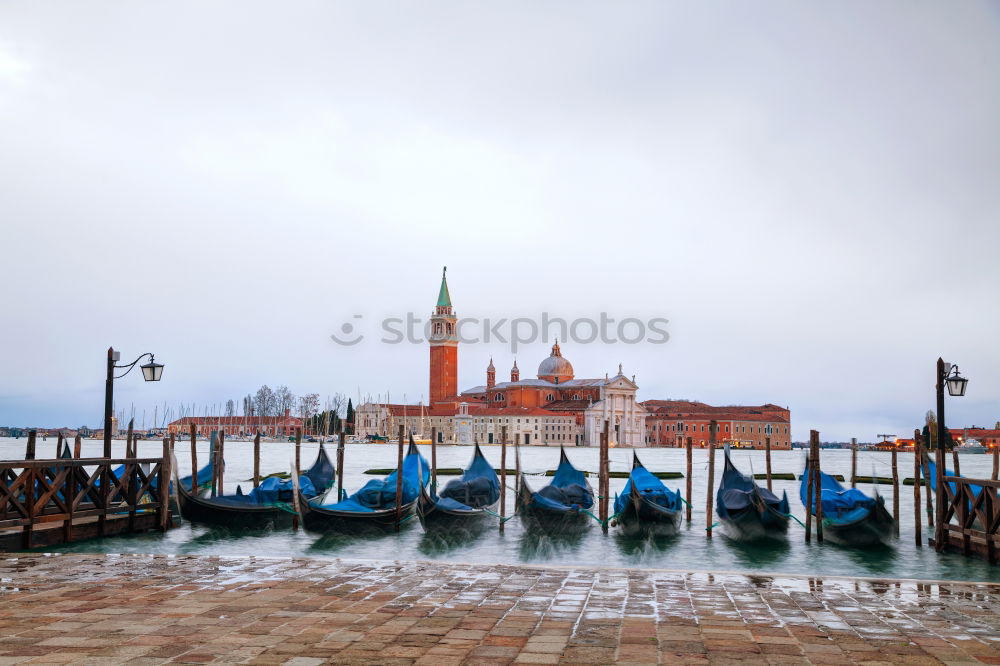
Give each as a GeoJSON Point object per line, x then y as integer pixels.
{"type": "Point", "coordinates": [36, 493]}
{"type": "Point", "coordinates": [968, 517]}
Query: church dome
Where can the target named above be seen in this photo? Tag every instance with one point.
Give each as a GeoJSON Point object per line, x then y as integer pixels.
{"type": "Point", "coordinates": [555, 368]}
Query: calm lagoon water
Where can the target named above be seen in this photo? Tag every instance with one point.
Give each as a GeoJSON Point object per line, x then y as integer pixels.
{"type": "Point", "coordinates": [689, 551]}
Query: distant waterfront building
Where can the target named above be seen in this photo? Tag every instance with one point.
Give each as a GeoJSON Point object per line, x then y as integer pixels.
{"type": "Point", "coordinates": [988, 437]}
{"type": "Point", "coordinates": [237, 426]}
{"type": "Point", "coordinates": [671, 422]}
{"type": "Point", "coordinates": [557, 408]}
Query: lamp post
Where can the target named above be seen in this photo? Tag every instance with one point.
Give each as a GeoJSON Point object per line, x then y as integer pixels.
{"type": "Point", "coordinates": [151, 372]}
{"type": "Point", "coordinates": [947, 374]}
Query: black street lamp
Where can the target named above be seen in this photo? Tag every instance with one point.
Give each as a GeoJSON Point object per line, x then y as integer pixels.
{"type": "Point", "coordinates": [947, 374]}
{"type": "Point", "coordinates": [151, 372]}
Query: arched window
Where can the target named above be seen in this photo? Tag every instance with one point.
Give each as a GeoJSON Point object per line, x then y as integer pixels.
{"type": "Point", "coordinates": [437, 329]}
{"type": "Point", "coordinates": [576, 396]}
{"type": "Point", "coordinates": [498, 397]}
{"type": "Point", "coordinates": [550, 397]}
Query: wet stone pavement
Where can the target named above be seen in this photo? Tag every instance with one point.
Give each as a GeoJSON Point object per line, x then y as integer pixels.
{"type": "Point", "coordinates": [139, 609]}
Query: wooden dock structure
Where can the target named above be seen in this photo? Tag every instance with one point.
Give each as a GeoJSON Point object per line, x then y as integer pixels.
{"type": "Point", "coordinates": [48, 502]}
{"type": "Point", "coordinates": [968, 519]}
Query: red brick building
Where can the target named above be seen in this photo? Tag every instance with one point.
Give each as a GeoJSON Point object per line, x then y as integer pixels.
{"type": "Point", "coordinates": [237, 426]}
{"type": "Point", "coordinates": [988, 437]}
{"type": "Point", "coordinates": [671, 422]}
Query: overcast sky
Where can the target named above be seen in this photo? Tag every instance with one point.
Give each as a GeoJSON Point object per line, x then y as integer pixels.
{"type": "Point", "coordinates": [808, 192]}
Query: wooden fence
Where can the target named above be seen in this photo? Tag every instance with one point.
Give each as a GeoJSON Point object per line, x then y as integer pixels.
{"type": "Point", "coordinates": [968, 517]}
{"type": "Point", "coordinates": [82, 496]}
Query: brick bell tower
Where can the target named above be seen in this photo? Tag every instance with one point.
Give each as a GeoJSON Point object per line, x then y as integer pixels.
{"type": "Point", "coordinates": [444, 347]}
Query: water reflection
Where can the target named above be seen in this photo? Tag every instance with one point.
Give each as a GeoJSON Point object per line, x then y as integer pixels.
{"type": "Point", "coordinates": [645, 549]}
{"type": "Point", "coordinates": [754, 554]}
{"type": "Point", "coordinates": [219, 535]}
{"type": "Point", "coordinates": [334, 541]}
{"type": "Point", "coordinates": [438, 541]}
{"type": "Point", "coordinates": [879, 559]}
{"type": "Point", "coordinates": [538, 545]}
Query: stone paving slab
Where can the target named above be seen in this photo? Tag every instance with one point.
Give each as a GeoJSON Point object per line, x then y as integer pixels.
{"type": "Point", "coordinates": [154, 609]}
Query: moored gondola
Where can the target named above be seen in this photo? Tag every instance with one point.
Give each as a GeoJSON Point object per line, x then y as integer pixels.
{"type": "Point", "coordinates": [850, 517]}
{"type": "Point", "coordinates": [269, 504]}
{"type": "Point", "coordinates": [646, 506]}
{"type": "Point", "coordinates": [564, 504]}
{"type": "Point", "coordinates": [469, 499]}
{"type": "Point", "coordinates": [747, 511]}
{"type": "Point", "coordinates": [374, 506]}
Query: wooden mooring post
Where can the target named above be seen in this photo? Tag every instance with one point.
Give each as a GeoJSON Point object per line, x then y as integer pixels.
{"type": "Point", "coordinates": [298, 451]}
{"type": "Point", "coordinates": [59, 445]}
{"type": "Point", "coordinates": [689, 445]}
{"type": "Point", "coordinates": [503, 477]}
{"type": "Point", "coordinates": [928, 496]}
{"type": "Point", "coordinates": [955, 462]}
{"type": "Point", "coordinates": [602, 480]}
{"type": "Point", "coordinates": [256, 460]}
{"type": "Point", "coordinates": [712, 427]}
{"type": "Point", "coordinates": [917, 522]}
{"type": "Point", "coordinates": [77, 445]}
{"type": "Point", "coordinates": [434, 459]}
{"type": "Point", "coordinates": [809, 488]}
{"type": "Point", "coordinates": [767, 459]}
{"type": "Point", "coordinates": [895, 491]}
{"type": "Point", "coordinates": [194, 460]}
{"type": "Point", "coordinates": [164, 487]}
{"type": "Point", "coordinates": [296, 474]}
{"type": "Point", "coordinates": [221, 448]}
{"type": "Point", "coordinates": [854, 462]}
{"type": "Point", "coordinates": [817, 489]}
{"type": "Point", "coordinates": [996, 462]}
{"type": "Point", "coordinates": [340, 462]}
{"type": "Point", "coordinates": [29, 447]}
{"type": "Point", "coordinates": [940, 533]}
{"type": "Point", "coordinates": [399, 480]}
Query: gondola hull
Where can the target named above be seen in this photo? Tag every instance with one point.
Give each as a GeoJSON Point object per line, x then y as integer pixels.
{"type": "Point", "coordinates": [752, 524]}
{"type": "Point", "coordinates": [351, 522]}
{"type": "Point", "coordinates": [538, 516]}
{"type": "Point", "coordinates": [234, 512]}
{"type": "Point", "coordinates": [646, 507]}
{"type": "Point", "coordinates": [350, 516]}
{"type": "Point", "coordinates": [433, 516]}
{"type": "Point", "coordinates": [466, 503]}
{"type": "Point", "coordinates": [850, 518]}
{"type": "Point", "coordinates": [641, 517]}
{"type": "Point", "coordinates": [746, 511]}
{"type": "Point", "coordinates": [875, 528]}
{"type": "Point", "coordinates": [214, 512]}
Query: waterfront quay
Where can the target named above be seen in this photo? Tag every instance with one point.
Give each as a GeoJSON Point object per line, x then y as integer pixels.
{"type": "Point", "coordinates": [154, 609]}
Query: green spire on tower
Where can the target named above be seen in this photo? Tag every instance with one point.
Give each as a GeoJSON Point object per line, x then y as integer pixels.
{"type": "Point", "coordinates": [444, 298]}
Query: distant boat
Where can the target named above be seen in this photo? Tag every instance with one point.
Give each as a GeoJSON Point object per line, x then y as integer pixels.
{"type": "Point", "coordinates": [269, 504]}
{"type": "Point", "coordinates": [850, 517]}
{"type": "Point", "coordinates": [645, 505]}
{"type": "Point", "coordinates": [972, 446]}
{"type": "Point", "coordinates": [374, 506]}
{"type": "Point", "coordinates": [563, 504]}
{"type": "Point", "coordinates": [748, 511]}
{"type": "Point", "coordinates": [466, 500]}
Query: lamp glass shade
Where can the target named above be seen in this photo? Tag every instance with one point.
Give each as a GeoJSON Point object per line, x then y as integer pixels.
{"type": "Point", "coordinates": [152, 371]}
{"type": "Point", "coordinates": [956, 385]}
